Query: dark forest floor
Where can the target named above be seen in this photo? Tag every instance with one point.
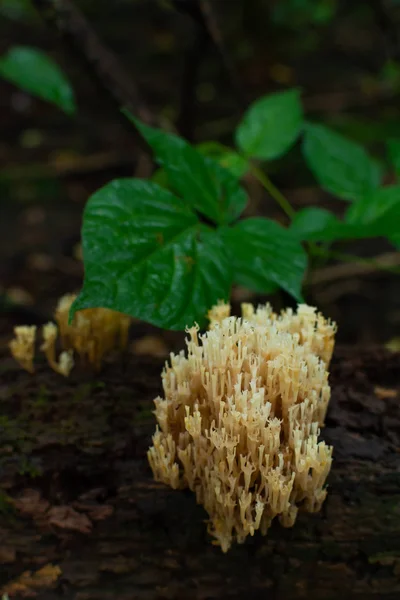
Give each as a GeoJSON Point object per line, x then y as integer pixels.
{"type": "Point", "coordinates": [80, 511]}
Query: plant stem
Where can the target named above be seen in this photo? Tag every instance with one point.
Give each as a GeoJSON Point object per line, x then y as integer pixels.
{"type": "Point", "coordinates": [273, 191]}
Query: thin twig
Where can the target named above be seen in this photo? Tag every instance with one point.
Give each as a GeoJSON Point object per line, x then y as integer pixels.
{"type": "Point", "coordinates": [361, 266]}
{"type": "Point", "coordinates": [73, 26]}
{"type": "Point", "coordinates": [215, 34]}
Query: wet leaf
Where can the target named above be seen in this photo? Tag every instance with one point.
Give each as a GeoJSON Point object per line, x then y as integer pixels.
{"type": "Point", "coordinates": [96, 512]}
{"type": "Point", "coordinates": [316, 224]}
{"type": "Point", "coordinates": [271, 125]}
{"type": "Point", "coordinates": [100, 513]}
{"type": "Point", "coordinates": [203, 184]}
{"type": "Point", "coordinates": [66, 517]}
{"type": "Point", "coordinates": [147, 255]}
{"type": "Point", "coordinates": [31, 503]}
{"type": "Point", "coordinates": [263, 252]}
{"type": "Point", "coordinates": [378, 212]}
{"type": "Point", "coordinates": [227, 158]}
{"type": "Point", "coordinates": [341, 166]}
{"type": "Point", "coordinates": [36, 73]}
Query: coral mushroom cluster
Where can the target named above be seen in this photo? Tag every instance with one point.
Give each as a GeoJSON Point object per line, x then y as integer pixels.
{"type": "Point", "coordinates": [239, 424]}
{"type": "Point", "coordinates": [92, 334]}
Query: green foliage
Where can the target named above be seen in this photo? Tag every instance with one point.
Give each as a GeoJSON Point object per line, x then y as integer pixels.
{"type": "Point", "coordinates": [316, 224]}
{"type": "Point", "coordinates": [227, 158]}
{"type": "Point", "coordinates": [378, 213]}
{"type": "Point", "coordinates": [203, 184]}
{"type": "Point", "coordinates": [340, 166]}
{"type": "Point", "coordinates": [394, 154]}
{"type": "Point", "coordinates": [375, 206]}
{"type": "Point", "coordinates": [148, 255]}
{"type": "Point", "coordinates": [36, 73]}
{"type": "Point", "coordinates": [167, 249]}
{"type": "Point", "coordinates": [148, 252]}
{"type": "Point", "coordinates": [271, 126]}
{"type": "Point", "coordinates": [395, 239]}
{"type": "Point", "coordinates": [265, 253]}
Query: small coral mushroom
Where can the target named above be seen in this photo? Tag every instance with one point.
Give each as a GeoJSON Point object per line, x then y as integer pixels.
{"type": "Point", "coordinates": [92, 334]}
{"type": "Point", "coordinates": [240, 420]}
{"type": "Point", "coordinates": [65, 363]}
{"type": "Point", "coordinates": [23, 346]}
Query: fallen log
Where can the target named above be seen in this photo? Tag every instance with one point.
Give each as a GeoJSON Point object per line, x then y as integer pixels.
{"type": "Point", "coordinates": [143, 540]}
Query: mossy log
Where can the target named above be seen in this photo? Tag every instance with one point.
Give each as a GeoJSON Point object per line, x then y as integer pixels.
{"type": "Point", "coordinates": [135, 539]}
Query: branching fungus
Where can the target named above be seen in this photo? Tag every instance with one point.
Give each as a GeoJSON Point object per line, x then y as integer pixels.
{"type": "Point", "coordinates": [240, 420]}
{"type": "Point", "coordinates": [93, 333]}
{"type": "Point", "coordinates": [23, 346]}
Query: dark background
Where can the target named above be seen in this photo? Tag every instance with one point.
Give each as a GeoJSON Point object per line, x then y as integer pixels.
{"type": "Point", "coordinates": [343, 55]}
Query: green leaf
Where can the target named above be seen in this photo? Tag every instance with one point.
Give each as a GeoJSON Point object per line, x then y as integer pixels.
{"type": "Point", "coordinates": [147, 255]}
{"type": "Point", "coordinates": [394, 154]}
{"type": "Point", "coordinates": [36, 73]}
{"type": "Point", "coordinates": [316, 224]}
{"type": "Point", "coordinates": [270, 126]}
{"type": "Point", "coordinates": [203, 184]}
{"type": "Point", "coordinates": [374, 205]}
{"type": "Point", "coordinates": [263, 252]}
{"type": "Point", "coordinates": [378, 213]}
{"type": "Point", "coordinates": [341, 166]}
{"type": "Point", "coordinates": [395, 240]}
{"type": "Point", "coordinates": [227, 158]}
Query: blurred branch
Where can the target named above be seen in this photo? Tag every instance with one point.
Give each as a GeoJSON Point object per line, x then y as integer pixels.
{"type": "Point", "coordinates": [202, 13]}
{"type": "Point", "coordinates": [103, 64]}
{"type": "Point", "coordinates": [361, 266]}
{"type": "Point", "coordinates": [273, 191]}
{"type": "Point", "coordinates": [215, 34]}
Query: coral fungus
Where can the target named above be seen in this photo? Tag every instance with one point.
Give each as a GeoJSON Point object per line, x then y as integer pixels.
{"type": "Point", "coordinates": [65, 362]}
{"type": "Point", "coordinates": [23, 346]}
{"type": "Point", "coordinates": [239, 424]}
{"type": "Point", "coordinates": [92, 334]}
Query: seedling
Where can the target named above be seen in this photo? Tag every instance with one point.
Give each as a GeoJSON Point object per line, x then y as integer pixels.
{"type": "Point", "coordinates": [166, 254]}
